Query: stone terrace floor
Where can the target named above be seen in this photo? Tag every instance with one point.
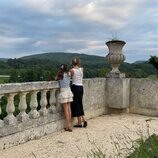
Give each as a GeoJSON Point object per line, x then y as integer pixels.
{"type": "Point", "coordinates": [103, 132]}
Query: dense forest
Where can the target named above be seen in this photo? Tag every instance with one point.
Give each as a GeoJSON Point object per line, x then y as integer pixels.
{"type": "Point", "coordinates": [43, 67]}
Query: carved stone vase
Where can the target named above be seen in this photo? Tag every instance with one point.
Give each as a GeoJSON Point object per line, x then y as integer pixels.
{"type": "Point", "coordinates": [115, 56]}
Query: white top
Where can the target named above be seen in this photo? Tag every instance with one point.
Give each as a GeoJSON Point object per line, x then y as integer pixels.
{"type": "Point", "coordinates": [77, 77]}
{"type": "Point", "coordinates": [65, 82]}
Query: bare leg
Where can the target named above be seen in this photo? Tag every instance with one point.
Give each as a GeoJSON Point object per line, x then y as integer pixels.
{"type": "Point", "coordinates": [69, 111]}
{"type": "Point", "coordinates": [79, 120]}
{"type": "Point", "coordinates": [84, 122]}
{"type": "Point", "coordinates": [67, 116]}
{"type": "Point", "coordinates": [79, 124]}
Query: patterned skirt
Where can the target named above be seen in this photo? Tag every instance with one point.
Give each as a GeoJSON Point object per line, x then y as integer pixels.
{"type": "Point", "coordinates": [65, 95]}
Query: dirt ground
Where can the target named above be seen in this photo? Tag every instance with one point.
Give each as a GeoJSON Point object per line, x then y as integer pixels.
{"type": "Point", "coordinates": [108, 133]}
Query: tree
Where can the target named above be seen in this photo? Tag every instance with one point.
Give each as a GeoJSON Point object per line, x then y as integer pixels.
{"type": "Point", "coordinates": [13, 77]}
{"type": "Point", "coordinates": [102, 71]}
{"type": "Point", "coordinates": [154, 61]}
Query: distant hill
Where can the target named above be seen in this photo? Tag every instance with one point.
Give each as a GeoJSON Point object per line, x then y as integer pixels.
{"type": "Point", "coordinates": [140, 61]}
{"type": "Point", "coordinates": [3, 59]}
{"type": "Point", "coordinates": [67, 58]}
{"type": "Point", "coordinates": [47, 64]}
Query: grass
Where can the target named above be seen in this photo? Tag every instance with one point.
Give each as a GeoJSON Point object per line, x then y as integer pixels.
{"type": "Point", "coordinates": [146, 146]}
{"type": "Point", "coordinates": [96, 153]}
{"type": "Point", "coordinates": [153, 77]}
{"type": "Point", "coordinates": [4, 79]}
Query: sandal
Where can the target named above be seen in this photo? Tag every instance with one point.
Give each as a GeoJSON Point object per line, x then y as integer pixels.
{"type": "Point", "coordinates": [80, 126]}
{"type": "Point", "coordinates": [85, 124]}
{"type": "Point", "coordinates": [68, 129]}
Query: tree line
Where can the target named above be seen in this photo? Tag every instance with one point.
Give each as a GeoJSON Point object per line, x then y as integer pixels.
{"type": "Point", "coordinates": [28, 70]}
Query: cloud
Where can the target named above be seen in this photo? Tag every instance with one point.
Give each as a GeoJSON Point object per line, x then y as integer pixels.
{"type": "Point", "coordinates": [33, 26]}
{"type": "Point", "coordinates": [38, 6]}
{"type": "Point", "coordinates": [10, 41]}
{"type": "Point", "coordinates": [40, 43]}
{"type": "Point", "coordinates": [107, 12]}
{"type": "Point", "coordinates": [153, 50]}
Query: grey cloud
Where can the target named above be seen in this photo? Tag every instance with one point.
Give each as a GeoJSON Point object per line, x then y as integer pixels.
{"type": "Point", "coordinates": [47, 29]}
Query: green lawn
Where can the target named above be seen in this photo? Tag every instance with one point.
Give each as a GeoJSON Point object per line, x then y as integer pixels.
{"type": "Point", "coordinates": [154, 77]}
{"type": "Point", "coordinates": [4, 79]}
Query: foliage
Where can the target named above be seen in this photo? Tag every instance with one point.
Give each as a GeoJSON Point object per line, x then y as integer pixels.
{"type": "Point", "coordinates": [138, 70]}
{"type": "Point", "coordinates": [154, 61]}
{"type": "Point", "coordinates": [96, 153]}
{"type": "Point", "coordinates": [3, 104]}
{"type": "Point", "coordinates": [43, 67]}
{"type": "Point", "coordinates": [4, 79]}
{"type": "Point", "coordinates": [153, 77]}
{"type": "Point", "coordinates": [147, 148]}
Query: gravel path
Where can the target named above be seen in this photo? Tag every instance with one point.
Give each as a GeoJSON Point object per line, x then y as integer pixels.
{"type": "Point", "coordinates": [103, 132]}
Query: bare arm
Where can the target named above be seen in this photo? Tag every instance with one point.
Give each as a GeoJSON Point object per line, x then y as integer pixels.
{"type": "Point", "coordinates": [71, 72]}
{"type": "Point", "coordinates": [57, 77]}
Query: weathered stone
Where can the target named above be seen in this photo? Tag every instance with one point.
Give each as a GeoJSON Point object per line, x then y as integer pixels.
{"type": "Point", "coordinates": [101, 96]}
{"type": "Point", "coordinates": [117, 92]}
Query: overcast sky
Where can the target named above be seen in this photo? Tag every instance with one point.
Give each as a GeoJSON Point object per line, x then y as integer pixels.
{"type": "Point", "coordinates": [78, 26]}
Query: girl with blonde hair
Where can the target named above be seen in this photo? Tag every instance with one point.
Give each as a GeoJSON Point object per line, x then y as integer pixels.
{"type": "Point", "coordinates": [77, 90]}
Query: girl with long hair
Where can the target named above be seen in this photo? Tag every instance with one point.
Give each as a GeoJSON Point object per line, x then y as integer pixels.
{"type": "Point", "coordinates": [65, 95]}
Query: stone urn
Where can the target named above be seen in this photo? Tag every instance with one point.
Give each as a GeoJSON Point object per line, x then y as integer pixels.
{"type": "Point", "coordinates": [115, 56]}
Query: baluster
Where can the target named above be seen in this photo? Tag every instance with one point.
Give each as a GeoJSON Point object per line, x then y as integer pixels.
{"type": "Point", "coordinates": [58, 108]}
{"type": "Point", "coordinates": [10, 119]}
{"type": "Point", "coordinates": [1, 121]}
{"type": "Point", "coordinates": [52, 101]}
{"type": "Point", "coordinates": [33, 104]}
{"type": "Point", "coordinates": [23, 116]}
{"type": "Point", "coordinates": [43, 102]}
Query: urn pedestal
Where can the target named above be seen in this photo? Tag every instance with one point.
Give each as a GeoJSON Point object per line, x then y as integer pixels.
{"type": "Point", "coordinates": [115, 57]}
{"type": "Point", "coordinates": [117, 86]}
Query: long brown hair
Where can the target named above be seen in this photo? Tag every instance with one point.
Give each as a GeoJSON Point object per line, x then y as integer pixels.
{"type": "Point", "coordinates": [63, 69]}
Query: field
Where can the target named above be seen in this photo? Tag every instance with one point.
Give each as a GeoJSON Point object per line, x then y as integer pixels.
{"type": "Point", "coordinates": [4, 79]}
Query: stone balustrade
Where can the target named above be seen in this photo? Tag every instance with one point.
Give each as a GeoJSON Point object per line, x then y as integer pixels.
{"type": "Point", "coordinates": [23, 89]}
{"type": "Point", "coordinates": [40, 99]}
{"type": "Point", "coordinates": [36, 112]}
{"type": "Point", "coordinates": [32, 109]}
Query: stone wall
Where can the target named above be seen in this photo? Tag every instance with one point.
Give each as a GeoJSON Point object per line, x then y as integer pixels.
{"type": "Point", "coordinates": [94, 97]}
{"type": "Point", "coordinates": [117, 93]}
{"type": "Point", "coordinates": [49, 118]}
{"type": "Point", "coordinates": [101, 96]}
{"type": "Point", "coordinates": [144, 97]}
{"type": "Point", "coordinates": [138, 96]}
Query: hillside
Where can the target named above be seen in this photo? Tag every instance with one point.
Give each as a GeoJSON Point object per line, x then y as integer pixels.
{"type": "Point", "coordinates": [67, 58]}
{"type": "Point", "coordinates": [45, 66]}
{"type": "Point", "coordinates": [4, 59]}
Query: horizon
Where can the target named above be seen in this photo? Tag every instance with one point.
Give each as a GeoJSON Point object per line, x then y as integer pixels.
{"type": "Point", "coordinates": [71, 53]}
{"type": "Point", "coordinates": [39, 26]}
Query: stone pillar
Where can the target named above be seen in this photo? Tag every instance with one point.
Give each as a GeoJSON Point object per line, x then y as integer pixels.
{"type": "Point", "coordinates": [1, 121]}
{"type": "Point", "coordinates": [117, 86]}
{"type": "Point", "coordinates": [117, 93]}
{"type": "Point", "coordinates": [33, 104]}
{"type": "Point", "coordinates": [43, 102]}
{"type": "Point", "coordinates": [23, 116]}
{"type": "Point", "coordinates": [115, 57]}
{"type": "Point", "coordinates": [10, 119]}
{"type": "Point", "coordinates": [52, 101]}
